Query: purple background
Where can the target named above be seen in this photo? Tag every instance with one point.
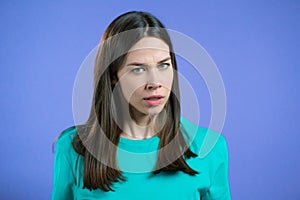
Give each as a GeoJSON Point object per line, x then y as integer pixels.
{"type": "Point", "coordinates": [255, 45]}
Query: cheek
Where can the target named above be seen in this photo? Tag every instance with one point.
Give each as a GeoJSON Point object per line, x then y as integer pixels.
{"type": "Point", "coordinates": [167, 79]}
{"type": "Point", "coordinates": [130, 87]}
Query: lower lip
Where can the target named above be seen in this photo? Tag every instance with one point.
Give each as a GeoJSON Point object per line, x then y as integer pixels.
{"type": "Point", "coordinates": [153, 102]}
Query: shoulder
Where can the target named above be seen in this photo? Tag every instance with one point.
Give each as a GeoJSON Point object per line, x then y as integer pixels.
{"type": "Point", "coordinates": [65, 139]}
{"type": "Point", "coordinates": [204, 141]}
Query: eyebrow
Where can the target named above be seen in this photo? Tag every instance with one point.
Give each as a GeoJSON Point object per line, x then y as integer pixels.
{"type": "Point", "coordinates": [141, 64]}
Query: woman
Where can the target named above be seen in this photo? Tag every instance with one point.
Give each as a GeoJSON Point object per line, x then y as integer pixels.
{"type": "Point", "coordinates": [135, 144]}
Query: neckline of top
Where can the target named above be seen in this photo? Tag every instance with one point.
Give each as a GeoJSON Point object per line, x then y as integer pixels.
{"type": "Point", "coordinates": [138, 142]}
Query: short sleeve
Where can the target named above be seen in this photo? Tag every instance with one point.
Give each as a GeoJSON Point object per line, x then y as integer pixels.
{"type": "Point", "coordinates": [219, 189]}
{"type": "Point", "coordinates": [63, 173]}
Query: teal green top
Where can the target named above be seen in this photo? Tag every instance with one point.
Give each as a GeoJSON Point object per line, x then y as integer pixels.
{"type": "Point", "coordinates": [210, 183]}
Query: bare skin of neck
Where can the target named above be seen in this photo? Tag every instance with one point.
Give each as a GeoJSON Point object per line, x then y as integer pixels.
{"type": "Point", "coordinates": [142, 127]}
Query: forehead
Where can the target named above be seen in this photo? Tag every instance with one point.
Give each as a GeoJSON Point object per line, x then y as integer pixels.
{"type": "Point", "coordinates": [148, 47]}
{"type": "Point", "coordinates": [150, 43]}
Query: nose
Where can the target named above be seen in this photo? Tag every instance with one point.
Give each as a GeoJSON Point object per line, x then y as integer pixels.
{"type": "Point", "coordinates": [153, 82]}
{"type": "Point", "coordinates": [153, 85]}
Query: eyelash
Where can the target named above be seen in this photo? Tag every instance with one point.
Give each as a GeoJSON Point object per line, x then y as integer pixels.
{"type": "Point", "coordinates": [138, 68]}
{"type": "Point", "coordinates": [167, 64]}
{"type": "Point", "coordinates": [135, 70]}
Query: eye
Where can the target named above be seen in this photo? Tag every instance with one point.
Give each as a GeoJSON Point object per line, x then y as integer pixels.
{"type": "Point", "coordinates": [138, 70]}
{"type": "Point", "coordinates": [164, 65]}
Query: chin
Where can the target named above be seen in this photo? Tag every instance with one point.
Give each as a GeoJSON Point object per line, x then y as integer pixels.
{"type": "Point", "coordinates": [154, 111]}
{"type": "Point", "coordinates": [145, 110]}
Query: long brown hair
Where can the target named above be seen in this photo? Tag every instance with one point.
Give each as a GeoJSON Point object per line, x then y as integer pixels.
{"type": "Point", "coordinates": [100, 164]}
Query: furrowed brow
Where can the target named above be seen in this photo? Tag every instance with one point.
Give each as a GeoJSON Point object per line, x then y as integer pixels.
{"type": "Point", "coordinates": [164, 60]}
{"type": "Point", "coordinates": [136, 64]}
{"type": "Point", "coordinates": [143, 64]}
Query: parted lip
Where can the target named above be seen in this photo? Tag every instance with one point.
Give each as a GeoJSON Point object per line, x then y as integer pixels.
{"type": "Point", "coordinates": [153, 96]}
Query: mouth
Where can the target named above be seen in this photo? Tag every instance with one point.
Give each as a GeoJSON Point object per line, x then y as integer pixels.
{"type": "Point", "coordinates": [153, 100]}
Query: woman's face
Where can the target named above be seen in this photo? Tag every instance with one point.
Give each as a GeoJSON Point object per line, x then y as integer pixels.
{"type": "Point", "coordinates": [146, 76]}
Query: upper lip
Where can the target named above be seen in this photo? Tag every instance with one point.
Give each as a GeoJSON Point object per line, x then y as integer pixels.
{"type": "Point", "coordinates": [154, 96]}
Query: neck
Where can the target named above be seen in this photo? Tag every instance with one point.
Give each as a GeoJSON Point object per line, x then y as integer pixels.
{"type": "Point", "coordinates": [144, 127]}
